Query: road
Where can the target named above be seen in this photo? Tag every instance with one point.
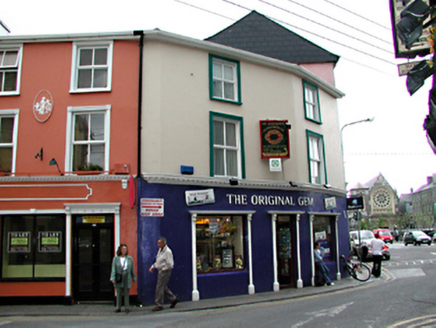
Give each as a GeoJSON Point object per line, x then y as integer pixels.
{"type": "Point", "coordinates": [405, 299]}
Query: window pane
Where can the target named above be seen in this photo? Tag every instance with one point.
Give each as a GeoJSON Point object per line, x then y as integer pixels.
{"type": "Point", "coordinates": [10, 81]}
{"type": "Point", "coordinates": [6, 129]}
{"type": "Point", "coordinates": [17, 247]}
{"type": "Point", "coordinates": [97, 156]}
{"type": "Point", "coordinates": [217, 71]}
{"type": "Point", "coordinates": [1, 81]}
{"type": "Point", "coordinates": [228, 73]}
{"type": "Point", "coordinates": [218, 133]}
{"type": "Point", "coordinates": [100, 78]}
{"type": "Point", "coordinates": [229, 91]}
{"type": "Point", "coordinates": [97, 127]}
{"type": "Point", "coordinates": [84, 80]}
{"type": "Point", "coordinates": [85, 57]}
{"type": "Point", "coordinates": [220, 243]}
{"type": "Point", "coordinates": [219, 162]}
{"type": "Point", "coordinates": [232, 163]}
{"type": "Point", "coordinates": [10, 58]}
{"type": "Point", "coordinates": [100, 56]}
{"type": "Point", "coordinates": [2, 55]}
{"type": "Point", "coordinates": [80, 157]}
{"type": "Point", "coordinates": [217, 89]}
{"type": "Point", "coordinates": [81, 127]}
{"type": "Point", "coordinates": [231, 134]}
{"type": "Point", "coordinates": [6, 159]}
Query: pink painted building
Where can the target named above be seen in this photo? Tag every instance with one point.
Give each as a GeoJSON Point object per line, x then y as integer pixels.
{"type": "Point", "coordinates": [68, 155]}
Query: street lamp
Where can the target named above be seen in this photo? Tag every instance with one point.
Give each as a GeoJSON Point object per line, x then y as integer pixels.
{"type": "Point", "coordinates": [342, 145]}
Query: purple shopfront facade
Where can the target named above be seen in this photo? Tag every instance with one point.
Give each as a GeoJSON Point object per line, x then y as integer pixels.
{"type": "Point", "coordinates": [229, 240]}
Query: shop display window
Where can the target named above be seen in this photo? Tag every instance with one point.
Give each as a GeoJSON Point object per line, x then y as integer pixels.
{"type": "Point", "coordinates": [322, 230]}
{"type": "Point", "coordinates": [33, 247]}
{"type": "Point", "coordinates": [220, 243]}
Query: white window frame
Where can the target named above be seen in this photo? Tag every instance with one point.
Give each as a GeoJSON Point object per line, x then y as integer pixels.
{"type": "Point", "coordinates": [311, 106]}
{"type": "Point", "coordinates": [236, 78]}
{"type": "Point", "coordinates": [316, 160]}
{"type": "Point", "coordinates": [236, 148]}
{"type": "Point", "coordinates": [15, 114]}
{"type": "Point", "coordinates": [106, 109]}
{"type": "Point", "coordinates": [77, 46]}
{"type": "Point", "coordinates": [19, 65]}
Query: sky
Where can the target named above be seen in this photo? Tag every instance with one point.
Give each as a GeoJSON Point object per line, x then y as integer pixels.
{"type": "Point", "coordinates": [393, 144]}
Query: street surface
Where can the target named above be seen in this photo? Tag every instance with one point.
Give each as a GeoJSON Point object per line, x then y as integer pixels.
{"type": "Point", "coordinates": [405, 299]}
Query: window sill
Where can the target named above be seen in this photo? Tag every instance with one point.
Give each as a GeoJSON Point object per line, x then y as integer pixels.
{"type": "Point", "coordinates": [314, 121]}
{"type": "Point", "coordinates": [89, 90]}
{"type": "Point", "coordinates": [220, 272]}
{"type": "Point", "coordinates": [235, 102]}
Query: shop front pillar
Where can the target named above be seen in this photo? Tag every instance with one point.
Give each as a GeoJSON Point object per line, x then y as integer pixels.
{"type": "Point", "coordinates": [338, 274]}
{"type": "Point", "coordinates": [276, 285]}
{"type": "Point", "coordinates": [312, 217]}
{"type": "Point", "coordinates": [299, 280]}
{"type": "Point", "coordinates": [251, 289]}
{"type": "Point", "coordinates": [195, 292]}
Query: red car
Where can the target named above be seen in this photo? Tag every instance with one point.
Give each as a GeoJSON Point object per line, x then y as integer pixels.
{"type": "Point", "coordinates": [385, 235]}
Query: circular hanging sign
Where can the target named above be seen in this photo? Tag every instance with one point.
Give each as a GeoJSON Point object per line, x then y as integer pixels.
{"type": "Point", "coordinates": [43, 106]}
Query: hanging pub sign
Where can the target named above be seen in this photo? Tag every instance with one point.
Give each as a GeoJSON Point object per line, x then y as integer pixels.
{"type": "Point", "coordinates": [50, 242]}
{"type": "Point", "coordinates": [19, 242]}
{"type": "Point", "coordinates": [274, 139]}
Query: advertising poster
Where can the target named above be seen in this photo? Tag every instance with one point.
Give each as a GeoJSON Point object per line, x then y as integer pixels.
{"type": "Point", "coordinates": [50, 242]}
{"type": "Point", "coordinates": [19, 242]}
{"type": "Point", "coordinates": [274, 137]}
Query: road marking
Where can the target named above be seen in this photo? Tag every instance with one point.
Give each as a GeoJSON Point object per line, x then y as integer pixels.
{"type": "Point", "coordinates": [407, 273]}
{"type": "Point", "coordinates": [323, 313]}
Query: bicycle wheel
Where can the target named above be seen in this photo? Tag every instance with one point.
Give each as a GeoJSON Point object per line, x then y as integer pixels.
{"type": "Point", "coordinates": [362, 272]}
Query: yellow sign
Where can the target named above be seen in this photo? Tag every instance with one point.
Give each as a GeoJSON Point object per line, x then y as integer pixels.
{"type": "Point", "coordinates": [93, 219]}
{"type": "Point", "coordinates": [19, 241]}
{"type": "Point", "coordinates": [50, 241]}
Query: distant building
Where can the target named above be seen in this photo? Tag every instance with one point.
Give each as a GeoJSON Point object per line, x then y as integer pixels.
{"type": "Point", "coordinates": [423, 201]}
{"type": "Point", "coordinates": [380, 203]}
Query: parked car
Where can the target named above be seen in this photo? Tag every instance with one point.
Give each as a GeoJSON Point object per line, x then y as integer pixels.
{"type": "Point", "coordinates": [385, 235]}
{"type": "Point", "coordinates": [363, 250]}
{"type": "Point", "coordinates": [416, 238]}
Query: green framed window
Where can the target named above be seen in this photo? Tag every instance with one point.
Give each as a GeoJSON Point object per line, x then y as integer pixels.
{"type": "Point", "coordinates": [311, 102]}
{"type": "Point", "coordinates": [224, 79]}
{"type": "Point", "coordinates": [226, 146]}
{"type": "Point", "coordinates": [316, 158]}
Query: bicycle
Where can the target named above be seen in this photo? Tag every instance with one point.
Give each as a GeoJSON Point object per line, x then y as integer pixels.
{"type": "Point", "coordinates": [358, 270]}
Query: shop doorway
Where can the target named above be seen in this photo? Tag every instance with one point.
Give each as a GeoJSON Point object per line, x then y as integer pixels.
{"type": "Point", "coordinates": [93, 251]}
{"type": "Point", "coordinates": [285, 251]}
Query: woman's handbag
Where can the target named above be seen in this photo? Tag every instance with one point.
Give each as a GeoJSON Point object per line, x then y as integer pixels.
{"type": "Point", "coordinates": [118, 277]}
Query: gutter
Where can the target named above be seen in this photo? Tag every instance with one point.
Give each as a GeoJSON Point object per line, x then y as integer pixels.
{"type": "Point", "coordinates": [141, 53]}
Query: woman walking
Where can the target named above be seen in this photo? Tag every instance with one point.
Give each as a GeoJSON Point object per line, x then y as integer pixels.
{"type": "Point", "coordinates": [122, 275]}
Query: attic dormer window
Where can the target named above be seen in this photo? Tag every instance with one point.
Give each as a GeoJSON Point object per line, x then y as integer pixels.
{"type": "Point", "coordinates": [224, 75]}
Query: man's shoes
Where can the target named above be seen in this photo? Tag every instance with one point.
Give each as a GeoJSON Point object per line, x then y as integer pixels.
{"type": "Point", "coordinates": [117, 310]}
{"type": "Point", "coordinates": [331, 284]}
{"type": "Point", "coordinates": [127, 311]}
{"type": "Point", "coordinates": [157, 308]}
{"type": "Point", "coordinates": [174, 303]}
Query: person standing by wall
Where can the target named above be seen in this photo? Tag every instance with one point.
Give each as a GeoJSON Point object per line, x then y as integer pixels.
{"type": "Point", "coordinates": [122, 275]}
{"type": "Point", "coordinates": [319, 265]}
{"type": "Point", "coordinates": [164, 264]}
{"type": "Point", "coordinates": [377, 253]}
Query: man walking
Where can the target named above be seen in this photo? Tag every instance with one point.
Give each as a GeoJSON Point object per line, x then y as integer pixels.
{"type": "Point", "coordinates": [164, 264]}
{"type": "Point", "coordinates": [377, 246]}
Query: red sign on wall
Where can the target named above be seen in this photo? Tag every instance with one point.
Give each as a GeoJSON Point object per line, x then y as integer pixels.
{"type": "Point", "coordinates": [274, 139]}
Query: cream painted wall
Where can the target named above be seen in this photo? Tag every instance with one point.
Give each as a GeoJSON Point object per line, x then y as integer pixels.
{"type": "Point", "coordinates": [176, 106]}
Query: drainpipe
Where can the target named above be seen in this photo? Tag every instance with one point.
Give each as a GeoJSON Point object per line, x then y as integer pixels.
{"type": "Point", "coordinates": [139, 33]}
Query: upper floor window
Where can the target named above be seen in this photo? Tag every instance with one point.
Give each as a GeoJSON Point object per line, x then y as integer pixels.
{"type": "Point", "coordinates": [227, 156]}
{"type": "Point", "coordinates": [311, 102]}
{"type": "Point", "coordinates": [92, 67]}
{"type": "Point", "coordinates": [10, 69]}
{"type": "Point", "coordinates": [88, 139]}
{"type": "Point", "coordinates": [8, 140]}
{"type": "Point", "coordinates": [225, 79]}
{"type": "Point", "coordinates": [317, 167]}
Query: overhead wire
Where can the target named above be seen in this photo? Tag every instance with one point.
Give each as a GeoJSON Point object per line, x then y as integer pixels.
{"type": "Point", "coordinates": [203, 9]}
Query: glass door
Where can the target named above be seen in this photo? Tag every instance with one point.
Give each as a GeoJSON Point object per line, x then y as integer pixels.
{"type": "Point", "coordinates": [284, 233]}
{"type": "Point", "coordinates": [92, 258]}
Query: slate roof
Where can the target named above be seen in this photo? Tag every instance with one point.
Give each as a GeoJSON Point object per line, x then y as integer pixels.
{"type": "Point", "coordinates": [258, 34]}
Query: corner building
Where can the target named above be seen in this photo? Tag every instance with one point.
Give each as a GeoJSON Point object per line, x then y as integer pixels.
{"type": "Point", "coordinates": [241, 165]}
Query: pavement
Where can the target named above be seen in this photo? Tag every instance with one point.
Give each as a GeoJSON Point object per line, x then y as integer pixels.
{"type": "Point", "coordinates": [107, 309]}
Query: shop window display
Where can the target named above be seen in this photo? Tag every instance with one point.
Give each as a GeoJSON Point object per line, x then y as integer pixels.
{"type": "Point", "coordinates": [220, 244]}
{"type": "Point", "coordinates": [33, 246]}
{"type": "Point", "coordinates": [322, 230]}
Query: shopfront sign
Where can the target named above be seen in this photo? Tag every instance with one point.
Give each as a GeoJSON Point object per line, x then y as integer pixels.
{"type": "Point", "coordinates": [93, 219]}
{"type": "Point", "coordinates": [50, 242]}
{"type": "Point", "coordinates": [199, 197]}
{"type": "Point", "coordinates": [274, 139]}
{"type": "Point", "coordinates": [152, 207]}
{"type": "Point", "coordinates": [19, 242]}
{"type": "Point", "coordinates": [269, 200]}
{"type": "Point", "coordinates": [329, 203]}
